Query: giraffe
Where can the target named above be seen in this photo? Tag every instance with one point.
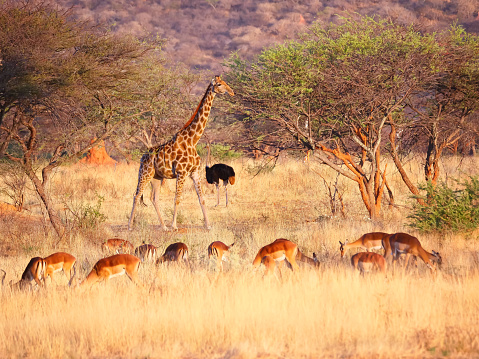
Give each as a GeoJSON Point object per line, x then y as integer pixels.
{"type": "Point", "coordinates": [178, 158]}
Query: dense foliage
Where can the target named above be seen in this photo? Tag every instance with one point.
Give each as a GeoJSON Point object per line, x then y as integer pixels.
{"type": "Point", "coordinates": [448, 209]}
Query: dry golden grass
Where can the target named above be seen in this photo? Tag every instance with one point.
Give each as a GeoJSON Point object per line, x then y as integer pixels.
{"type": "Point", "coordinates": [330, 312]}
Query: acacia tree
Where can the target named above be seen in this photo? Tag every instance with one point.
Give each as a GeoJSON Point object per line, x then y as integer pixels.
{"type": "Point", "coordinates": [334, 90]}
{"type": "Point", "coordinates": [64, 82]}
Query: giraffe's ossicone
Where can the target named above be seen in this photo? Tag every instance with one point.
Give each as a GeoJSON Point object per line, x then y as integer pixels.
{"type": "Point", "coordinates": [178, 158]}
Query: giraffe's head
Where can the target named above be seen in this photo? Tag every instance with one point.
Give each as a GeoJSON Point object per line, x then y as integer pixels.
{"type": "Point", "coordinates": [219, 86]}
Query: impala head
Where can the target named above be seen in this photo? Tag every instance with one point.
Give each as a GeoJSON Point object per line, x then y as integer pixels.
{"type": "Point", "coordinates": [220, 87]}
{"type": "Point", "coordinates": [316, 260]}
{"type": "Point", "coordinates": [438, 258]}
{"type": "Point", "coordinates": [341, 248]}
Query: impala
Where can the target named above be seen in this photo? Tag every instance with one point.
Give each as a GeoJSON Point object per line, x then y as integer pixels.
{"type": "Point", "coordinates": [35, 271]}
{"type": "Point", "coordinates": [282, 249]}
{"type": "Point", "coordinates": [114, 266]}
{"type": "Point", "coordinates": [403, 243]}
{"type": "Point", "coordinates": [174, 253]}
{"type": "Point", "coordinates": [367, 261]}
{"type": "Point", "coordinates": [219, 251]}
{"type": "Point", "coordinates": [117, 246]}
{"type": "Point", "coordinates": [57, 262]}
{"type": "Point", "coordinates": [146, 252]}
{"type": "Point", "coordinates": [368, 241]}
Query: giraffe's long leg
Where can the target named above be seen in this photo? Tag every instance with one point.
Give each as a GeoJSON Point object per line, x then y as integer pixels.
{"type": "Point", "coordinates": [145, 175]}
{"type": "Point", "coordinates": [155, 199]}
{"type": "Point", "coordinates": [180, 181]}
{"type": "Point", "coordinates": [196, 180]}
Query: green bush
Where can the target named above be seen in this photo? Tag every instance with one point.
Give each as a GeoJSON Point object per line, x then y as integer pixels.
{"type": "Point", "coordinates": [448, 209]}
{"type": "Point", "coordinates": [218, 152]}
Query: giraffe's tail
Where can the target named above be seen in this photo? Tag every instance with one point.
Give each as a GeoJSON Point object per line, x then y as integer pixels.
{"type": "Point", "coordinates": [143, 201]}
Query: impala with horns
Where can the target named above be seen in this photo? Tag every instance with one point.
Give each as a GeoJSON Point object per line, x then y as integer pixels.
{"type": "Point", "coordinates": [34, 271]}
{"type": "Point", "coordinates": [117, 246]}
{"type": "Point", "coordinates": [146, 252]}
{"type": "Point", "coordinates": [368, 241]}
{"type": "Point", "coordinates": [220, 252]}
{"type": "Point", "coordinates": [403, 243]}
{"type": "Point", "coordinates": [57, 262]}
{"type": "Point", "coordinates": [114, 266]}
{"type": "Point", "coordinates": [175, 252]}
{"type": "Point", "coordinates": [366, 262]}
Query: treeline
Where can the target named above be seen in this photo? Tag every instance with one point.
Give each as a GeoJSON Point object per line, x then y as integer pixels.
{"type": "Point", "coordinates": [352, 92]}
{"type": "Point", "coordinates": [202, 33]}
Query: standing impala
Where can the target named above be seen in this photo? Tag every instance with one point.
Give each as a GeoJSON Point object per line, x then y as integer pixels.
{"type": "Point", "coordinates": [57, 262]}
{"type": "Point", "coordinates": [34, 272]}
{"type": "Point", "coordinates": [368, 241]}
{"type": "Point", "coordinates": [403, 243]}
{"type": "Point", "coordinates": [113, 266]}
{"type": "Point", "coordinates": [219, 251]}
{"type": "Point", "coordinates": [174, 253]}
{"type": "Point", "coordinates": [366, 262]}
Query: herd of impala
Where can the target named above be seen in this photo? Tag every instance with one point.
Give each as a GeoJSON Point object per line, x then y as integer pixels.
{"type": "Point", "coordinates": [271, 256]}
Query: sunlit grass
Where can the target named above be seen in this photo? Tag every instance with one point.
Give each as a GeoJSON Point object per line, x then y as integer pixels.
{"type": "Point", "coordinates": [196, 313]}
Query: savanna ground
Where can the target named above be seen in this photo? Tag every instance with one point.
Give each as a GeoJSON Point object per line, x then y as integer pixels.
{"type": "Point", "coordinates": [330, 312]}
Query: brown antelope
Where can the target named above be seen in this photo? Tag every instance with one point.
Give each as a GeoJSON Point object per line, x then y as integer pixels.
{"type": "Point", "coordinates": [220, 252]}
{"type": "Point", "coordinates": [34, 271]}
{"type": "Point", "coordinates": [146, 252]}
{"type": "Point", "coordinates": [403, 243]}
{"type": "Point", "coordinates": [366, 262]}
{"type": "Point", "coordinates": [117, 246]}
{"type": "Point", "coordinates": [113, 266]}
{"type": "Point", "coordinates": [174, 253]}
{"type": "Point", "coordinates": [57, 262]}
{"type": "Point", "coordinates": [368, 241]}
{"type": "Point", "coordinates": [279, 250]}
{"type": "Point", "coordinates": [282, 249]}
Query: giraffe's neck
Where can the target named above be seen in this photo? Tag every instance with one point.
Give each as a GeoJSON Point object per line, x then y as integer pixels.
{"type": "Point", "coordinates": [194, 128]}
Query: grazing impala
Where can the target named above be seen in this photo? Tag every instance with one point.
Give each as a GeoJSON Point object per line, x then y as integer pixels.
{"type": "Point", "coordinates": [219, 251]}
{"type": "Point", "coordinates": [368, 241]}
{"type": "Point", "coordinates": [146, 252]}
{"type": "Point", "coordinates": [35, 271]}
{"type": "Point", "coordinates": [114, 266]}
{"type": "Point", "coordinates": [57, 262]}
{"type": "Point", "coordinates": [403, 243]}
{"type": "Point", "coordinates": [367, 261]}
{"type": "Point", "coordinates": [282, 249]}
{"type": "Point", "coordinates": [174, 253]}
{"type": "Point", "coordinates": [117, 246]}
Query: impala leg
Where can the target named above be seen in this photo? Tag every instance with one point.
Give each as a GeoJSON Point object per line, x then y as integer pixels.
{"type": "Point", "coordinates": [196, 181]}
{"type": "Point", "coordinates": [155, 199]}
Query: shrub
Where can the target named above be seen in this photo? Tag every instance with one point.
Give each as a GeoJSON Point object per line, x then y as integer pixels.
{"type": "Point", "coordinates": [448, 209]}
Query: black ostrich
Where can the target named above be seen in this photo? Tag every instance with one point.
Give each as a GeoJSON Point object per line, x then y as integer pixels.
{"type": "Point", "coordinates": [223, 172]}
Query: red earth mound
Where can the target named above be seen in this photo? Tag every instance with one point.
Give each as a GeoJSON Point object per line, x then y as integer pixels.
{"type": "Point", "coordinates": [98, 156]}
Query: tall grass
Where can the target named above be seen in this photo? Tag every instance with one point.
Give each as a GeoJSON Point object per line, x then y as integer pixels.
{"type": "Point", "coordinates": [196, 313]}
